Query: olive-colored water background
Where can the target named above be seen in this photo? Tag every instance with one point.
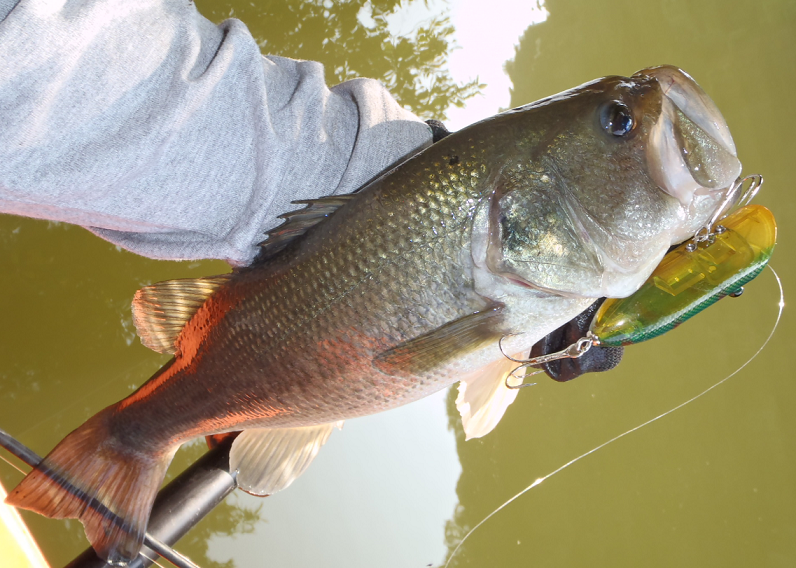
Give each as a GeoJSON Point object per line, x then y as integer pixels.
{"type": "Point", "coordinates": [712, 484]}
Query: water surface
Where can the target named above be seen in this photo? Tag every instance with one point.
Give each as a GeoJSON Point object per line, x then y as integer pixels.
{"type": "Point", "coordinates": [710, 485]}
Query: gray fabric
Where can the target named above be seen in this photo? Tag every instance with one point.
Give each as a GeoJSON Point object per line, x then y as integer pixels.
{"type": "Point", "coordinates": [5, 7]}
{"type": "Point", "coordinates": [171, 136]}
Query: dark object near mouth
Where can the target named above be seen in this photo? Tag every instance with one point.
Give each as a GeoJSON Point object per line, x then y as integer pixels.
{"type": "Point", "coordinates": [595, 360]}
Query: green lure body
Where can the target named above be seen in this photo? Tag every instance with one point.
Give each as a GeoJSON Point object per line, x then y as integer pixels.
{"type": "Point", "coordinates": [686, 282]}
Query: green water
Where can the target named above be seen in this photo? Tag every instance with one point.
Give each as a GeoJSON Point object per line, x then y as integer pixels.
{"type": "Point", "coordinates": [712, 484]}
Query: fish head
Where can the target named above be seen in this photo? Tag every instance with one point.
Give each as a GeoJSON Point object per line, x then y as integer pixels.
{"type": "Point", "coordinates": [604, 178]}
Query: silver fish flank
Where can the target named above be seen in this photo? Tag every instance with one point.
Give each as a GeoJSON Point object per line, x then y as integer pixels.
{"type": "Point", "coordinates": [361, 303]}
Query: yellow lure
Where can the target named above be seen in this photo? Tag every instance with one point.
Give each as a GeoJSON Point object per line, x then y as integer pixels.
{"type": "Point", "coordinates": [688, 281]}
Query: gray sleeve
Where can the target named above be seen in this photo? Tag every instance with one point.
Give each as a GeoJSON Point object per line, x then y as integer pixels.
{"type": "Point", "coordinates": [171, 136]}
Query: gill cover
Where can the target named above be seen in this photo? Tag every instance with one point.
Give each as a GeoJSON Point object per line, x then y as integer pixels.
{"type": "Point", "coordinates": [535, 237]}
{"type": "Point", "coordinates": [623, 168]}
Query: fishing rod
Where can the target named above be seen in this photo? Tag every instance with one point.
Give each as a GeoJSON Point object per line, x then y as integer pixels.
{"type": "Point", "coordinates": [180, 505]}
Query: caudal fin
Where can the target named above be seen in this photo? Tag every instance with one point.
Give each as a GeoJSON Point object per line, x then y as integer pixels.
{"type": "Point", "coordinates": [92, 477]}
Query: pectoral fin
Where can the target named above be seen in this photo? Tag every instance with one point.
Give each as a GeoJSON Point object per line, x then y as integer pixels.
{"type": "Point", "coordinates": [484, 398]}
{"type": "Point", "coordinates": [454, 339]}
{"type": "Point", "coordinates": [269, 459]}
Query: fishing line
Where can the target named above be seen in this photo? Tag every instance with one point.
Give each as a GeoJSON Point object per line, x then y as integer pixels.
{"type": "Point", "coordinates": [21, 451]}
{"type": "Point", "coordinates": [114, 379]}
{"type": "Point", "coordinates": [152, 560]}
{"type": "Point", "coordinates": [15, 466]}
{"type": "Point", "coordinates": [781, 306]}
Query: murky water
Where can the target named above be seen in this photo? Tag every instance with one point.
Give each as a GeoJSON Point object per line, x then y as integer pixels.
{"type": "Point", "coordinates": [710, 485]}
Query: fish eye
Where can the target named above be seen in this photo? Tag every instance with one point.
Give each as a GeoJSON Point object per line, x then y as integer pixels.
{"type": "Point", "coordinates": [616, 118]}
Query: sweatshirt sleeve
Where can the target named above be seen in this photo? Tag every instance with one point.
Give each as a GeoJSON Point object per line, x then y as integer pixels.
{"type": "Point", "coordinates": [173, 137]}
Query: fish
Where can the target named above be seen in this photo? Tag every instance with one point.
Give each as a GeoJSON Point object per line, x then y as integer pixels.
{"type": "Point", "coordinates": [474, 248]}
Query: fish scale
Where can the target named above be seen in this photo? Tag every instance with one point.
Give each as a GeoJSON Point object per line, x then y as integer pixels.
{"type": "Point", "coordinates": [387, 279]}
{"type": "Point", "coordinates": [499, 233]}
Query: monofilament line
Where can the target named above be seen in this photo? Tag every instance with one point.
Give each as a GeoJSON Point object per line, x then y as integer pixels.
{"type": "Point", "coordinates": [22, 452]}
{"type": "Point", "coordinates": [781, 306]}
{"type": "Point", "coordinates": [15, 466]}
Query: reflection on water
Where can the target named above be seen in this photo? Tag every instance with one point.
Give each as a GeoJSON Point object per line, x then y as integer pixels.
{"type": "Point", "coordinates": [377, 495]}
{"type": "Point", "coordinates": [711, 485]}
{"type": "Point", "coordinates": [227, 519]}
{"type": "Point", "coordinates": [352, 39]}
{"type": "Point", "coordinates": [485, 36]}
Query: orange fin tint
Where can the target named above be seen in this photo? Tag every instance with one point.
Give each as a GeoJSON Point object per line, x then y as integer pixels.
{"type": "Point", "coordinates": [93, 478]}
{"type": "Point", "coordinates": [161, 310]}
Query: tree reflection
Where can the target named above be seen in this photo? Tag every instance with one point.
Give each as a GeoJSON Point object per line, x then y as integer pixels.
{"type": "Point", "coordinates": [458, 526]}
{"type": "Point", "coordinates": [227, 518]}
{"type": "Point", "coordinates": [352, 39]}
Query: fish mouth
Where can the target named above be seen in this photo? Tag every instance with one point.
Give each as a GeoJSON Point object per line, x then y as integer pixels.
{"type": "Point", "coordinates": [690, 152]}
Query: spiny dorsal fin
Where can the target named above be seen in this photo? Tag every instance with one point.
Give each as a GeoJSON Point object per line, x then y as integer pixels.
{"type": "Point", "coordinates": [161, 310]}
{"type": "Point", "coordinates": [484, 397]}
{"type": "Point", "coordinates": [269, 459]}
{"type": "Point", "coordinates": [299, 222]}
{"type": "Point", "coordinates": [447, 342]}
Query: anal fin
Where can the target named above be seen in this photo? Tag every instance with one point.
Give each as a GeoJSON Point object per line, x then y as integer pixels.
{"type": "Point", "coordinates": [267, 460]}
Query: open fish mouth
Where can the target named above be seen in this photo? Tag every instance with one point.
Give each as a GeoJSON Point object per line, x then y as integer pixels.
{"type": "Point", "coordinates": [690, 151]}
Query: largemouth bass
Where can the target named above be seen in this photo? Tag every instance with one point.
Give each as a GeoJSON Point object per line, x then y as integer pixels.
{"type": "Point", "coordinates": [480, 244]}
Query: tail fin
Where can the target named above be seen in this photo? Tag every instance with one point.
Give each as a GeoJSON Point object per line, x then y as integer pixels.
{"type": "Point", "coordinates": [93, 477]}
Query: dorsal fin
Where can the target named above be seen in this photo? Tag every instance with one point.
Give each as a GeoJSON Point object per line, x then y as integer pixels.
{"type": "Point", "coordinates": [299, 222]}
{"type": "Point", "coordinates": [161, 310]}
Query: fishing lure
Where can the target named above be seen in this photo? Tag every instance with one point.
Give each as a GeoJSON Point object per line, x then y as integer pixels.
{"type": "Point", "coordinates": [539, 480]}
{"type": "Point", "coordinates": [722, 257]}
{"type": "Point", "coordinates": [690, 279]}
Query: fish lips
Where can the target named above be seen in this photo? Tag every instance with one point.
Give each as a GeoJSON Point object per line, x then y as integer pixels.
{"type": "Point", "coordinates": [690, 152]}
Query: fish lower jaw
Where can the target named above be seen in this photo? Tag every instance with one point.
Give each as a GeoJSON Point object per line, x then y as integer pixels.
{"type": "Point", "coordinates": [617, 282]}
{"type": "Point", "coordinates": [667, 158]}
{"type": "Point", "coordinates": [529, 320]}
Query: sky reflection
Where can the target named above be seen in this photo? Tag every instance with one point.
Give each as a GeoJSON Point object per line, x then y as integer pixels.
{"type": "Point", "coordinates": [485, 38]}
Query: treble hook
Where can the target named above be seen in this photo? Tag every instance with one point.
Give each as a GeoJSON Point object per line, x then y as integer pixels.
{"type": "Point", "coordinates": [573, 351]}
{"type": "Point", "coordinates": [519, 378]}
{"type": "Point", "coordinates": [736, 198]}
